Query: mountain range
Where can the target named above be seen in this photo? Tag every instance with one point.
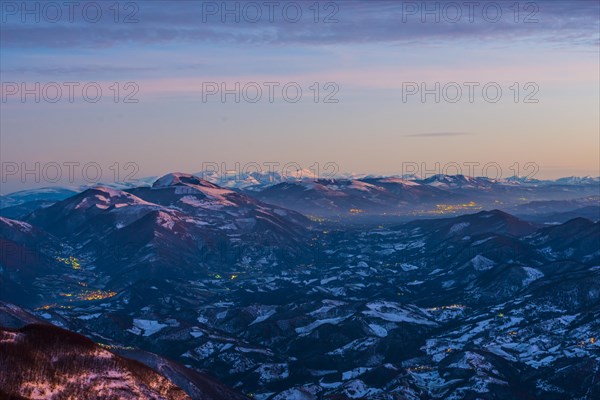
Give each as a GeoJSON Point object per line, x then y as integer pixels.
{"type": "Point", "coordinates": [298, 291]}
{"type": "Point", "coordinates": [343, 196]}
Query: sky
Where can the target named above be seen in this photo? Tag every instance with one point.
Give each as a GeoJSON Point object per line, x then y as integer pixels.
{"type": "Point", "coordinates": [119, 90]}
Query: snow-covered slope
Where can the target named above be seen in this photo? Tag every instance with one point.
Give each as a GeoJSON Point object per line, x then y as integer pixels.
{"type": "Point", "coordinates": [45, 362]}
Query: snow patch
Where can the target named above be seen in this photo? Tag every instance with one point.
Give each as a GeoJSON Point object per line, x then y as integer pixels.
{"type": "Point", "coordinates": [458, 227]}
{"type": "Point", "coordinates": [146, 327]}
{"type": "Point", "coordinates": [532, 275]}
{"type": "Point", "coordinates": [481, 263]}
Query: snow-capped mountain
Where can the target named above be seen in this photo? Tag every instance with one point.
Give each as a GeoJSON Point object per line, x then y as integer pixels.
{"type": "Point", "coordinates": [335, 196]}
{"type": "Point", "coordinates": [578, 180]}
{"type": "Point", "coordinates": [458, 182]}
{"type": "Point", "coordinates": [181, 225]}
{"type": "Point", "coordinates": [328, 194]}
{"type": "Point", "coordinates": [254, 180]}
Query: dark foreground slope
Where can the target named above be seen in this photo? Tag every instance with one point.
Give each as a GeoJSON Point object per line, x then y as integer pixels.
{"type": "Point", "coordinates": [43, 361]}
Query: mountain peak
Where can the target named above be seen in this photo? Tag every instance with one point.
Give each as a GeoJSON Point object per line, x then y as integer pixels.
{"type": "Point", "coordinates": [104, 197]}
{"type": "Point", "coordinates": [179, 179]}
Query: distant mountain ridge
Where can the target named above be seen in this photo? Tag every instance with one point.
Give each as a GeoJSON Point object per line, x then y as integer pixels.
{"type": "Point", "coordinates": [259, 180]}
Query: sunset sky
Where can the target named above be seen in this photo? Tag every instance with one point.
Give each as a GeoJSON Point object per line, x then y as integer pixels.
{"type": "Point", "coordinates": [369, 49]}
